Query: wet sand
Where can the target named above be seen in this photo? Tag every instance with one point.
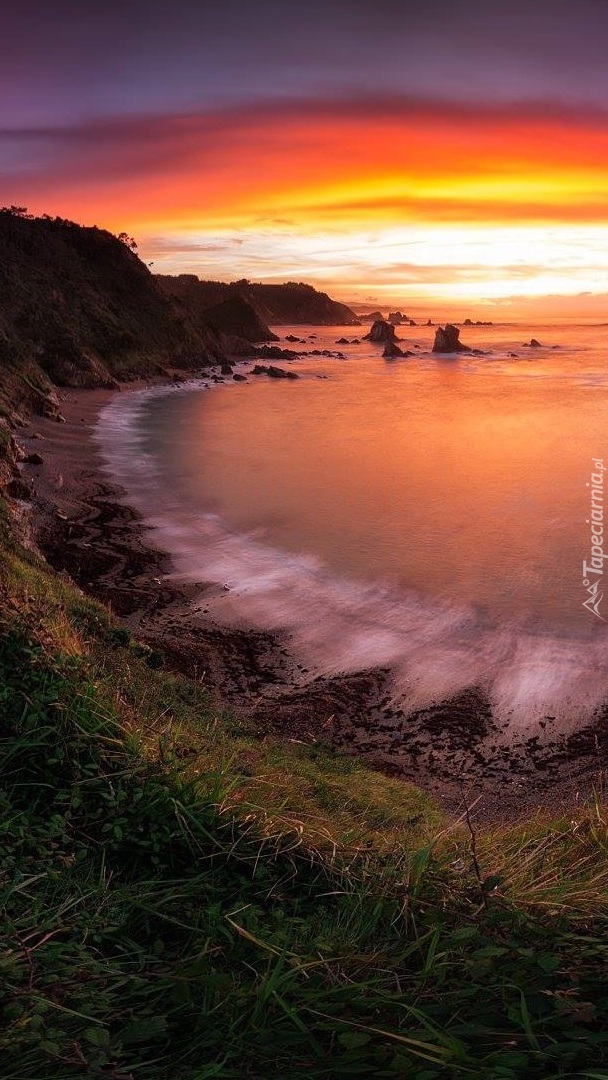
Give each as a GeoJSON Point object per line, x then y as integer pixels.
{"type": "Point", "coordinates": [451, 749]}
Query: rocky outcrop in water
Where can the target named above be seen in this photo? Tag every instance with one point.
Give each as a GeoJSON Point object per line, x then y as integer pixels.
{"type": "Point", "coordinates": [274, 372]}
{"type": "Point", "coordinates": [447, 340]}
{"type": "Point", "coordinates": [274, 352]}
{"type": "Point", "coordinates": [392, 351]}
{"type": "Point", "coordinates": [380, 332]}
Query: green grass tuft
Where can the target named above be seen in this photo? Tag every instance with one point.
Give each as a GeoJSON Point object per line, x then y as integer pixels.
{"type": "Point", "coordinates": [181, 901]}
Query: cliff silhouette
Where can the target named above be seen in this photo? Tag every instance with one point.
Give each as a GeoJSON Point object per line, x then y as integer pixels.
{"type": "Point", "coordinates": [78, 307]}
{"type": "Point", "coordinates": [276, 305]}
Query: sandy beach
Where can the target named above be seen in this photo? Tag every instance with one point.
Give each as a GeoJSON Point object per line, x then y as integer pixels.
{"type": "Point", "coordinates": [84, 527]}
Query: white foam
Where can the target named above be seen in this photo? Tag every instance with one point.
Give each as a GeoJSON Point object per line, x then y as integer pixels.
{"type": "Point", "coordinates": [434, 648]}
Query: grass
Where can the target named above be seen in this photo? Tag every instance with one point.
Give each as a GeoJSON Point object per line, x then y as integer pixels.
{"type": "Point", "coordinates": [181, 901]}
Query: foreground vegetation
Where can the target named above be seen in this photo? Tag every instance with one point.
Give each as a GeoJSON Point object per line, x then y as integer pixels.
{"type": "Point", "coordinates": [182, 900]}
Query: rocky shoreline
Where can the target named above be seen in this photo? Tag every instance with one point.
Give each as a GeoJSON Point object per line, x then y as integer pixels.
{"type": "Point", "coordinates": [83, 526]}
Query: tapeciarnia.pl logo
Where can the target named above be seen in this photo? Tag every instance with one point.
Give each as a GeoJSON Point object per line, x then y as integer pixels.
{"type": "Point", "coordinates": [593, 570]}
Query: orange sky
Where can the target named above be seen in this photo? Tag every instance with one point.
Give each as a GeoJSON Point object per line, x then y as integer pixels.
{"type": "Point", "coordinates": [428, 154]}
{"type": "Point", "coordinates": [388, 199]}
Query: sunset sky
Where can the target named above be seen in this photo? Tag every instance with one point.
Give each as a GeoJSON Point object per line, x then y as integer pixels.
{"type": "Point", "coordinates": [449, 154]}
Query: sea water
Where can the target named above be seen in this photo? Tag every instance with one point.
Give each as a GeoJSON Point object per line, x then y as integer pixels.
{"type": "Point", "coordinates": [431, 515]}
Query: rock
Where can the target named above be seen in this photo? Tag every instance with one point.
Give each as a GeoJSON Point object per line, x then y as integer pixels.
{"type": "Point", "coordinates": [77, 368]}
{"type": "Point", "coordinates": [381, 331]}
{"type": "Point", "coordinates": [274, 372]}
{"type": "Point", "coordinates": [342, 341]}
{"type": "Point", "coordinates": [226, 369]}
{"type": "Point", "coordinates": [391, 350]}
{"type": "Point", "coordinates": [429, 323]}
{"type": "Point", "coordinates": [239, 378]}
{"type": "Point", "coordinates": [395, 317]}
{"type": "Point", "coordinates": [355, 341]}
{"type": "Point", "coordinates": [280, 373]}
{"type": "Point", "coordinates": [468, 322]}
{"type": "Point", "coordinates": [412, 322]}
{"type": "Point", "coordinates": [534, 344]}
{"type": "Point", "coordinates": [232, 345]}
{"type": "Point", "coordinates": [273, 352]}
{"type": "Point", "coordinates": [447, 340]}
{"type": "Point", "coordinates": [34, 459]}
{"type": "Point", "coordinates": [374, 316]}
{"type": "Point", "coordinates": [326, 352]}
{"type": "Point", "coordinates": [19, 489]}
{"type": "Point", "coordinates": [291, 337]}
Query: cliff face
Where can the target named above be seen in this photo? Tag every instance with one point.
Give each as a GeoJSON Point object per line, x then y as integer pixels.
{"type": "Point", "coordinates": [79, 308]}
{"type": "Point", "coordinates": [232, 315]}
{"type": "Point", "coordinates": [279, 305]}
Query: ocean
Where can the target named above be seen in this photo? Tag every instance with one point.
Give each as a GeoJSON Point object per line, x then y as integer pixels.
{"type": "Point", "coordinates": [431, 515]}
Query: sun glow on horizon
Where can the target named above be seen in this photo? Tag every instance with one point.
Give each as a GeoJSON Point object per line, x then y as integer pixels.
{"type": "Point", "coordinates": [420, 263]}
{"type": "Point", "coordinates": [421, 204]}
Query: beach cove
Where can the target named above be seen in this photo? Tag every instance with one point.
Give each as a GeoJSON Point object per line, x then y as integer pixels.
{"type": "Point", "coordinates": [255, 670]}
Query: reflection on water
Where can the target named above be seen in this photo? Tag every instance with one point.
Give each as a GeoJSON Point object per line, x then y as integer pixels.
{"type": "Point", "coordinates": [428, 514]}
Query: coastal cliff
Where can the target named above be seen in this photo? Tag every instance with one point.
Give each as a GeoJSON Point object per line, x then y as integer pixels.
{"type": "Point", "coordinates": [233, 316]}
{"type": "Point", "coordinates": [79, 308]}
{"type": "Point", "coordinates": [276, 305]}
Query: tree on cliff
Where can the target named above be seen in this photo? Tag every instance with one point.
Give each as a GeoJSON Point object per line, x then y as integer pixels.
{"type": "Point", "coordinates": [127, 240]}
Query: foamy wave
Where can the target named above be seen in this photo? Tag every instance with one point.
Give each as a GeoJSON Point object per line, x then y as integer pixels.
{"type": "Point", "coordinates": [434, 648]}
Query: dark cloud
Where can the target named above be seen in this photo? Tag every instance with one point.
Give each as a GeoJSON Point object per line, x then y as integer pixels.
{"type": "Point", "coordinates": [67, 60]}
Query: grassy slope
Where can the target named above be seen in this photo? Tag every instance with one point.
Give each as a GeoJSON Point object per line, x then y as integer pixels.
{"type": "Point", "coordinates": [181, 901]}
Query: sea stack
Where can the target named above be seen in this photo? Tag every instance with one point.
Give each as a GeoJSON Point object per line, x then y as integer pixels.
{"type": "Point", "coordinates": [447, 340]}
{"type": "Point", "coordinates": [381, 331]}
